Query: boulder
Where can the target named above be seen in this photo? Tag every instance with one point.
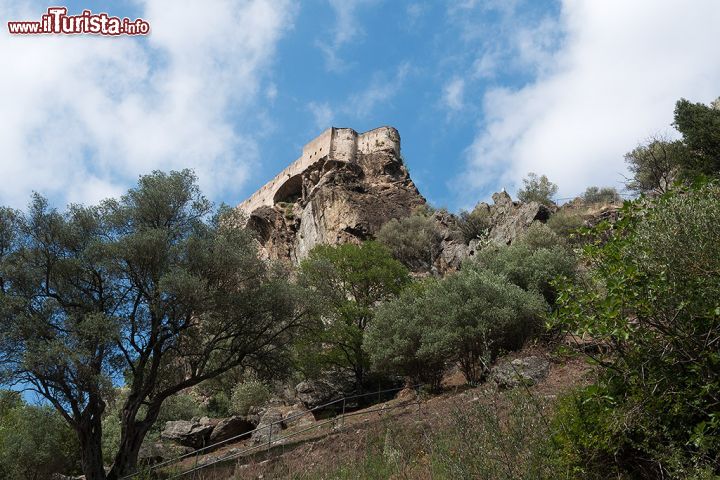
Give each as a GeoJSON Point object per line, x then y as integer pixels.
{"type": "Point", "coordinates": [332, 386]}
{"type": "Point", "coordinates": [521, 371]}
{"type": "Point", "coordinates": [229, 428]}
{"type": "Point", "coordinates": [154, 453]}
{"type": "Point", "coordinates": [511, 219]}
{"type": "Point", "coordinates": [188, 433]}
{"type": "Point", "coordinates": [270, 426]}
{"type": "Point", "coordinates": [298, 416]}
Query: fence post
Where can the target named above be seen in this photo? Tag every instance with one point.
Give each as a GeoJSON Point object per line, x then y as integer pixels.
{"type": "Point", "coordinates": [343, 414]}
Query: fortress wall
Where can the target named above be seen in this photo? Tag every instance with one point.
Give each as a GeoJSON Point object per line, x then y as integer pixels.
{"type": "Point", "coordinates": [318, 147]}
{"type": "Point", "coordinates": [264, 195]}
{"type": "Point", "coordinates": [344, 144]}
{"type": "Point", "coordinates": [383, 138]}
{"type": "Point", "coordinates": [341, 144]}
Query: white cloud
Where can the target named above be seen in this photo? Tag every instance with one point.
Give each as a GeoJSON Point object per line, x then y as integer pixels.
{"type": "Point", "coordinates": [453, 94]}
{"type": "Point", "coordinates": [83, 116]}
{"type": "Point", "coordinates": [613, 82]}
{"type": "Point", "coordinates": [381, 89]}
{"type": "Point", "coordinates": [346, 29]}
{"type": "Point", "coordinates": [322, 114]}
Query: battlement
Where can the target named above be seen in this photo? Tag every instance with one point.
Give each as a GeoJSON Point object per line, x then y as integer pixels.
{"type": "Point", "coordinates": [336, 144]}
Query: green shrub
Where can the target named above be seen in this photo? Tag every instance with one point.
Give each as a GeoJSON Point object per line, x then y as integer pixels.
{"type": "Point", "coordinates": [409, 337]}
{"type": "Point", "coordinates": [251, 393]}
{"type": "Point", "coordinates": [467, 317]}
{"type": "Point", "coordinates": [346, 284]}
{"type": "Point", "coordinates": [474, 225]}
{"type": "Point", "coordinates": [595, 195]}
{"type": "Point", "coordinates": [219, 405]}
{"type": "Point", "coordinates": [565, 224]}
{"type": "Point", "coordinates": [35, 442]}
{"type": "Point", "coordinates": [655, 165]}
{"type": "Point", "coordinates": [652, 298]}
{"type": "Point", "coordinates": [531, 262]}
{"type": "Point", "coordinates": [537, 189]}
{"type": "Point", "coordinates": [181, 406]}
{"type": "Point", "coordinates": [700, 127]}
{"type": "Point", "coordinates": [414, 240]}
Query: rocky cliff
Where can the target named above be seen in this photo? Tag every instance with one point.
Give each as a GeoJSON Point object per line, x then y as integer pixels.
{"type": "Point", "coordinates": [339, 202]}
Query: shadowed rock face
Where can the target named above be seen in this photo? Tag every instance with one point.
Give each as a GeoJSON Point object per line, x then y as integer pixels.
{"type": "Point", "coordinates": [339, 202]}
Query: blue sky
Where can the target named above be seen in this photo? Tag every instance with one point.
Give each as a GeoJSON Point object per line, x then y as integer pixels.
{"type": "Point", "coordinates": [482, 92]}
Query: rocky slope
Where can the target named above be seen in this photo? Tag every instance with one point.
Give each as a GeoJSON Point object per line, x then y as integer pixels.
{"type": "Point", "coordinates": [340, 202]}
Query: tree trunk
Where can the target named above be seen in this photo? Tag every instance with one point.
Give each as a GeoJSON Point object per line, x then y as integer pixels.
{"type": "Point", "coordinates": [90, 437]}
{"type": "Point", "coordinates": [131, 439]}
{"type": "Point", "coordinates": [127, 456]}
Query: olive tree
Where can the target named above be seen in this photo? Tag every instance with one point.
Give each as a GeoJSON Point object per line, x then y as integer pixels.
{"type": "Point", "coordinates": [468, 318]}
{"type": "Point", "coordinates": [347, 282]}
{"type": "Point", "coordinates": [537, 188]}
{"type": "Point", "coordinates": [158, 291]}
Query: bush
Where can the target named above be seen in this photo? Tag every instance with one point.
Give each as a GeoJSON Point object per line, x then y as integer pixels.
{"type": "Point", "coordinates": [35, 442]}
{"type": "Point", "coordinates": [219, 405]}
{"type": "Point", "coordinates": [181, 406]}
{"type": "Point", "coordinates": [537, 189]}
{"type": "Point", "coordinates": [414, 240]}
{"type": "Point", "coordinates": [565, 223]}
{"type": "Point", "coordinates": [595, 195]}
{"type": "Point", "coordinates": [474, 225]}
{"type": "Point", "coordinates": [252, 393]}
{"type": "Point", "coordinates": [410, 338]}
{"type": "Point", "coordinates": [700, 128]}
{"type": "Point", "coordinates": [532, 262]}
{"type": "Point", "coordinates": [652, 300]}
{"type": "Point", "coordinates": [467, 317]}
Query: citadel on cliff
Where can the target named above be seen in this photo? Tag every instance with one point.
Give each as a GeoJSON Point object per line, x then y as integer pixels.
{"type": "Point", "coordinates": [345, 186]}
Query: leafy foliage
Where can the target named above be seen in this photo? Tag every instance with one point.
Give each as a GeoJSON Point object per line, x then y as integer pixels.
{"type": "Point", "coordinates": [35, 442]}
{"type": "Point", "coordinates": [409, 336]}
{"type": "Point", "coordinates": [537, 189]}
{"type": "Point", "coordinates": [655, 165]}
{"type": "Point", "coordinates": [565, 224]}
{"type": "Point", "coordinates": [601, 195]}
{"type": "Point", "coordinates": [651, 298]}
{"type": "Point", "coordinates": [245, 395]}
{"type": "Point", "coordinates": [467, 317]}
{"type": "Point", "coordinates": [474, 225]}
{"type": "Point", "coordinates": [413, 240]}
{"type": "Point", "coordinates": [700, 128]}
{"type": "Point", "coordinates": [532, 261]}
{"type": "Point", "coordinates": [156, 287]}
{"type": "Point", "coordinates": [347, 282]}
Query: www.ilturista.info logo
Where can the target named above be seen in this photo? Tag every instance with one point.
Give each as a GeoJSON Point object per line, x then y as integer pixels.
{"type": "Point", "coordinates": [57, 21]}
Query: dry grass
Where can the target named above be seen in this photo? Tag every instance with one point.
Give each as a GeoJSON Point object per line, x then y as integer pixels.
{"type": "Point", "coordinates": [411, 440]}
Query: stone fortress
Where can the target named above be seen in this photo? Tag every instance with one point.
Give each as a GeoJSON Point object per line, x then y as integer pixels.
{"type": "Point", "coordinates": [331, 146]}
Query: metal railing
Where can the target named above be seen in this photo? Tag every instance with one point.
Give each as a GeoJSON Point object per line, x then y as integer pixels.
{"type": "Point", "coordinates": [270, 442]}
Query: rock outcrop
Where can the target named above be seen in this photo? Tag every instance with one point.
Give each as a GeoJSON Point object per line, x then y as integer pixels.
{"type": "Point", "coordinates": [330, 387]}
{"type": "Point", "coordinates": [189, 433]}
{"type": "Point", "coordinates": [270, 426]}
{"type": "Point", "coordinates": [510, 219]}
{"type": "Point", "coordinates": [522, 371]}
{"type": "Point", "coordinates": [337, 202]}
{"type": "Point", "coordinates": [229, 428]}
{"type": "Point", "coordinates": [335, 196]}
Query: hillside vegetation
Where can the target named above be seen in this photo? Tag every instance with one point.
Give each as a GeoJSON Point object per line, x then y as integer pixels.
{"type": "Point", "coordinates": [157, 307]}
